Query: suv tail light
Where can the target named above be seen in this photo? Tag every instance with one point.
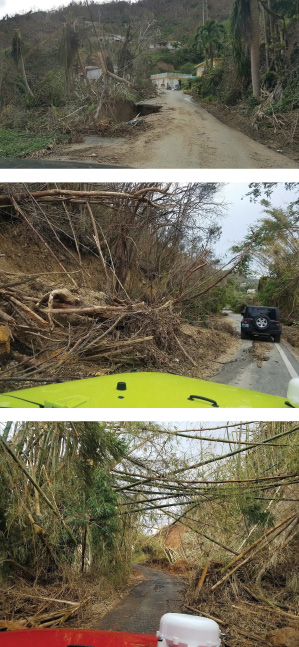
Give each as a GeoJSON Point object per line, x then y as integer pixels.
{"type": "Point", "coordinates": [277, 323]}
{"type": "Point", "coordinates": [245, 320]}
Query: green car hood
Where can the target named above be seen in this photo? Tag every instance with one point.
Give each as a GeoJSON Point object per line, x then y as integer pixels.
{"type": "Point", "coordinates": [135, 390]}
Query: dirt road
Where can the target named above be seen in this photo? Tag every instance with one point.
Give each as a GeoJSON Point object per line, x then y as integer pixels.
{"type": "Point", "coordinates": [260, 365]}
{"type": "Point", "coordinates": [181, 135]}
{"type": "Point", "coordinates": [143, 607]}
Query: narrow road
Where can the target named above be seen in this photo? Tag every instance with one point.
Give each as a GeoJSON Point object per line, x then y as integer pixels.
{"type": "Point", "coordinates": [260, 365]}
{"type": "Point", "coordinates": [182, 135]}
{"type": "Point", "coordinates": [143, 607]}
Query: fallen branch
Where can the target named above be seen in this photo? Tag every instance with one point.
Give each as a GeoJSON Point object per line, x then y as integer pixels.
{"type": "Point", "coordinates": [7, 318]}
{"type": "Point", "coordinates": [22, 214]}
{"type": "Point", "coordinates": [212, 285]}
{"type": "Point", "coordinates": [203, 576]}
{"type": "Point", "coordinates": [29, 312]}
{"type": "Point", "coordinates": [205, 615]}
{"type": "Point", "coordinates": [261, 547]}
{"type": "Point", "coordinates": [184, 351]}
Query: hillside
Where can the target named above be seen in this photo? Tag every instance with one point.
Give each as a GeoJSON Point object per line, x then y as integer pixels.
{"type": "Point", "coordinates": [173, 18]}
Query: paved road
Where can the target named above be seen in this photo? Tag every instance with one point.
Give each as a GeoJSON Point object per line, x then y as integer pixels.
{"type": "Point", "coordinates": [140, 611]}
{"type": "Point", "coordinates": [271, 377]}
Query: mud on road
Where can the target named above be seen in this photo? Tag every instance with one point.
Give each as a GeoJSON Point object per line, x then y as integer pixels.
{"type": "Point", "coordinates": [259, 365]}
{"type": "Point", "coordinates": [140, 611]}
{"type": "Point", "coordinates": [182, 135]}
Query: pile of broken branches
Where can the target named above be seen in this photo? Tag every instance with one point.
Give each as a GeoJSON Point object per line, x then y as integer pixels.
{"type": "Point", "coordinates": [32, 606]}
{"type": "Point", "coordinates": [242, 596]}
{"type": "Point", "coordinates": [64, 331]}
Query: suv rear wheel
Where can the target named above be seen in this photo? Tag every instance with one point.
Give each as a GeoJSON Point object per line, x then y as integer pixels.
{"type": "Point", "coordinates": [261, 323]}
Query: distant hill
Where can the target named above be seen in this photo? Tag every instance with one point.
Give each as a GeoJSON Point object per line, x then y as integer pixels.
{"type": "Point", "coordinates": [174, 18]}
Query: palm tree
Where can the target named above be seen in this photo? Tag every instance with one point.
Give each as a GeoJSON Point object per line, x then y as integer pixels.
{"type": "Point", "coordinates": [245, 27]}
{"type": "Point", "coordinates": [17, 53]}
{"type": "Point", "coordinates": [209, 37]}
{"type": "Point", "coordinates": [68, 48]}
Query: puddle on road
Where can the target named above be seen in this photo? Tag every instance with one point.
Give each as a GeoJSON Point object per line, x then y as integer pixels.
{"type": "Point", "coordinates": [95, 140]}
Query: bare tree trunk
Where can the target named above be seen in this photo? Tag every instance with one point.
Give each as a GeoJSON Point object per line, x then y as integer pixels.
{"type": "Point", "coordinates": [85, 75]}
{"type": "Point", "coordinates": [266, 39]}
{"type": "Point", "coordinates": [271, 19]}
{"type": "Point", "coordinates": [25, 77]}
{"type": "Point", "coordinates": [255, 48]}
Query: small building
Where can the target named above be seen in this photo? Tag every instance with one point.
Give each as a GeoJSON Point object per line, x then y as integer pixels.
{"type": "Point", "coordinates": [169, 80]}
{"type": "Point", "coordinates": [166, 44]}
{"type": "Point", "coordinates": [201, 67]}
{"type": "Point", "coordinates": [94, 72]}
{"type": "Point", "coordinates": [251, 291]}
{"type": "Point", "coordinates": [117, 38]}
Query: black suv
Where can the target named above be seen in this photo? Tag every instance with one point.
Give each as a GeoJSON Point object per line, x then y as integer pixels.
{"type": "Point", "coordinates": [261, 321]}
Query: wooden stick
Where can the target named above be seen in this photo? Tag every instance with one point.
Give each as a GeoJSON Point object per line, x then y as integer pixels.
{"type": "Point", "coordinates": [68, 193]}
{"type": "Point", "coordinates": [30, 312]}
{"type": "Point", "coordinates": [97, 241]}
{"type": "Point", "coordinates": [261, 547]}
{"type": "Point", "coordinates": [19, 210]}
{"type": "Point", "coordinates": [184, 351]}
{"type": "Point", "coordinates": [256, 542]}
{"type": "Point", "coordinates": [7, 318]}
{"type": "Point", "coordinates": [203, 576]}
{"type": "Point", "coordinates": [205, 615]}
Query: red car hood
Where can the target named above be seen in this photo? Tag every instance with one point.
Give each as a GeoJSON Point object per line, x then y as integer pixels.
{"type": "Point", "coordinates": [74, 637]}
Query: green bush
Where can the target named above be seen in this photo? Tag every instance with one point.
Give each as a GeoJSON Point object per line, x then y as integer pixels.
{"type": "Point", "coordinates": [52, 91]}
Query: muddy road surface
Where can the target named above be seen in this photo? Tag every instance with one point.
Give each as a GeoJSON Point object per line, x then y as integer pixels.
{"type": "Point", "coordinates": [140, 611]}
{"type": "Point", "coordinates": [260, 365]}
{"type": "Point", "coordinates": [182, 135]}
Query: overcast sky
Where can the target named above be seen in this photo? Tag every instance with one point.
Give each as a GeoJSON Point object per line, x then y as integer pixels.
{"type": "Point", "coordinates": [11, 7]}
{"type": "Point", "coordinates": [242, 214]}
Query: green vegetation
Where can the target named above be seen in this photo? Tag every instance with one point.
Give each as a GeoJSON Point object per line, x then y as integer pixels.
{"type": "Point", "coordinates": [81, 500]}
{"type": "Point", "coordinates": [14, 143]}
{"type": "Point", "coordinates": [276, 247]}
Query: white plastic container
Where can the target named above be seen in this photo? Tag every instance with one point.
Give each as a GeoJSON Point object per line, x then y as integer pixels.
{"type": "Point", "coordinates": [181, 630]}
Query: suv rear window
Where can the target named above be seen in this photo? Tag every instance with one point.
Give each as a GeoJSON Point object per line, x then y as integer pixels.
{"type": "Point", "coordinates": [254, 311]}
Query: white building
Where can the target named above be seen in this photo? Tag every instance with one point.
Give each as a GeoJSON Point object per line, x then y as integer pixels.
{"type": "Point", "coordinates": [169, 79]}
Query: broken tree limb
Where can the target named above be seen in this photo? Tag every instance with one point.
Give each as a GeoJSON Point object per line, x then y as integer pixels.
{"type": "Point", "coordinates": [203, 576]}
{"type": "Point", "coordinates": [7, 318]}
{"type": "Point", "coordinates": [212, 285]}
{"type": "Point", "coordinates": [195, 267]}
{"type": "Point", "coordinates": [262, 545]}
{"type": "Point", "coordinates": [97, 242]}
{"type": "Point", "coordinates": [205, 615]}
{"type": "Point", "coordinates": [109, 311]}
{"type": "Point", "coordinates": [22, 214]}
{"type": "Point", "coordinates": [268, 604]}
{"type": "Point", "coordinates": [257, 541]}
{"type": "Point", "coordinates": [29, 312]}
{"type": "Point", "coordinates": [53, 194]}
{"type": "Point", "coordinates": [184, 351]}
